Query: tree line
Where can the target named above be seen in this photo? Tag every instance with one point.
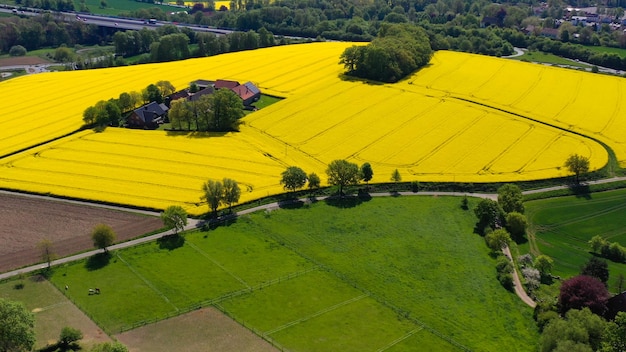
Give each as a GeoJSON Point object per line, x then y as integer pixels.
{"type": "Point", "coordinates": [219, 112]}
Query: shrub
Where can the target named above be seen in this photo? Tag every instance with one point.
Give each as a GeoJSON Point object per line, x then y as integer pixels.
{"type": "Point", "coordinates": [532, 277]}
{"type": "Point", "coordinates": [17, 50]}
{"type": "Point", "coordinates": [525, 260]}
{"type": "Point", "coordinates": [506, 280]}
{"type": "Point", "coordinates": [69, 335]}
{"type": "Point", "coordinates": [415, 186]}
{"type": "Point", "coordinates": [503, 265]}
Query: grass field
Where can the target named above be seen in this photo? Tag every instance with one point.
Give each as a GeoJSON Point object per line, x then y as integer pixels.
{"type": "Point", "coordinates": [367, 275]}
{"type": "Point", "coordinates": [539, 56]}
{"type": "Point", "coordinates": [605, 49]}
{"type": "Point", "coordinates": [563, 226]}
{"type": "Point", "coordinates": [52, 311]}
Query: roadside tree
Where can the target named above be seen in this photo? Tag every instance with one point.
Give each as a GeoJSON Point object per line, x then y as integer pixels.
{"type": "Point", "coordinates": [395, 176]}
{"type": "Point", "coordinates": [510, 198]}
{"type": "Point", "coordinates": [47, 253]}
{"type": "Point", "coordinates": [103, 236]}
{"type": "Point", "coordinates": [214, 194]}
{"type": "Point", "coordinates": [293, 178]}
{"type": "Point", "coordinates": [17, 324]}
{"type": "Point", "coordinates": [498, 239]}
{"type": "Point", "coordinates": [314, 181]}
{"type": "Point", "coordinates": [366, 172]}
{"type": "Point", "coordinates": [516, 224]}
{"type": "Point", "coordinates": [232, 192]}
{"type": "Point", "coordinates": [578, 165]}
{"type": "Point", "coordinates": [174, 217]}
{"type": "Point", "coordinates": [342, 173]}
{"type": "Point", "coordinates": [489, 214]}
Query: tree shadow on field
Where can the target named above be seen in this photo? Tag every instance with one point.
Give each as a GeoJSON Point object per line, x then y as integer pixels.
{"type": "Point", "coordinates": [171, 242]}
{"type": "Point", "coordinates": [290, 204]}
{"type": "Point", "coordinates": [98, 261]}
{"type": "Point", "coordinates": [581, 191]}
{"type": "Point", "coordinates": [348, 201]}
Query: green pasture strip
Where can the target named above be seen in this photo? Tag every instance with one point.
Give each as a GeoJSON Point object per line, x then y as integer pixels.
{"type": "Point", "coordinates": [416, 254]}
{"type": "Point", "coordinates": [539, 56]}
{"type": "Point", "coordinates": [240, 251]}
{"type": "Point", "coordinates": [609, 50]}
{"type": "Point", "coordinates": [563, 226]}
{"type": "Point", "coordinates": [280, 304]}
{"type": "Point", "coordinates": [183, 275]}
{"type": "Point", "coordinates": [362, 325]}
{"type": "Point", "coordinates": [116, 7]}
{"type": "Point", "coordinates": [125, 297]}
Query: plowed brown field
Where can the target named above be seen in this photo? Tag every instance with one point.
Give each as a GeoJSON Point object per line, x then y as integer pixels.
{"type": "Point", "coordinates": [26, 220]}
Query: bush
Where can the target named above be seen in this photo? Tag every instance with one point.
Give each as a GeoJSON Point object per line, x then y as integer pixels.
{"type": "Point", "coordinates": [17, 50]}
{"type": "Point", "coordinates": [503, 265]}
{"type": "Point", "coordinates": [506, 280]}
{"type": "Point", "coordinates": [525, 260]}
{"type": "Point", "coordinates": [415, 186]}
{"type": "Point", "coordinates": [69, 335]}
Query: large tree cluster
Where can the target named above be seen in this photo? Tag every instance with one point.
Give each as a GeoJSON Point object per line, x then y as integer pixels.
{"type": "Point", "coordinates": [399, 50]}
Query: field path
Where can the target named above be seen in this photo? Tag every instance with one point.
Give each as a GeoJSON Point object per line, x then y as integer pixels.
{"type": "Point", "coordinates": [193, 223]}
{"type": "Point", "coordinates": [519, 289]}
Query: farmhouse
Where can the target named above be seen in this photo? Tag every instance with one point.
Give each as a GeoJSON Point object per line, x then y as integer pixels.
{"type": "Point", "coordinates": [147, 116]}
{"type": "Point", "coordinates": [248, 92]}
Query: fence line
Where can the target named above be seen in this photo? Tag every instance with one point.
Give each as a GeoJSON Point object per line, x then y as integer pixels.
{"type": "Point", "coordinates": [401, 312]}
{"type": "Point", "coordinates": [215, 301]}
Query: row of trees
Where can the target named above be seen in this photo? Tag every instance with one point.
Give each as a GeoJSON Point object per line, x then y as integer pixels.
{"type": "Point", "coordinates": [168, 43]}
{"type": "Point", "coordinates": [217, 192]}
{"type": "Point", "coordinates": [611, 250]}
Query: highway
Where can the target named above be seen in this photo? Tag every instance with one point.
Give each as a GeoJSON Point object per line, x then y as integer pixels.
{"type": "Point", "coordinates": [112, 22]}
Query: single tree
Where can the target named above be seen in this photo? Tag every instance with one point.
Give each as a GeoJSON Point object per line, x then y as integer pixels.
{"type": "Point", "coordinates": [342, 173]}
{"type": "Point", "coordinates": [293, 178]}
{"type": "Point", "coordinates": [232, 192]}
{"type": "Point", "coordinates": [47, 253]}
{"type": "Point", "coordinates": [214, 194]}
{"type": "Point", "coordinates": [597, 268]}
{"type": "Point", "coordinates": [68, 336]}
{"type": "Point", "coordinates": [17, 324]}
{"type": "Point", "coordinates": [395, 176]}
{"type": "Point", "coordinates": [578, 165]}
{"type": "Point", "coordinates": [314, 181]}
{"type": "Point", "coordinates": [489, 214]}
{"type": "Point", "coordinates": [498, 239]}
{"type": "Point", "coordinates": [543, 263]}
{"type": "Point", "coordinates": [583, 291]}
{"type": "Point", "coordinates": [174, 217]}
{"type": "Point", "coordinates": [510, 198]}
{"type": "Point", "coordinates": [103, 236]}
{"type": "Point", "coordinates": [165, 87]}
{"type": "Point", "coordinates": [366, 172]}
{"type": "Point", "coordinates": [516, 224]}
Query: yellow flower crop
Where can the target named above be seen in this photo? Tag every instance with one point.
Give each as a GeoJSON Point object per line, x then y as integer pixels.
{"type": "Point", "coordinates": [464, 118]}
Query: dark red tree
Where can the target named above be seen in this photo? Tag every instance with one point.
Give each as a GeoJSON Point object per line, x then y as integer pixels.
{"type": "Point", "coordinates": [583, 291]}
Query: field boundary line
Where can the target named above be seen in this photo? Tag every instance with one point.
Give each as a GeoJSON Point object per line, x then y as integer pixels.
{"type": "Point", "coordinates": [51, 306]}
{"type": "Point", "coordinates": [400, 339]}
{"type": "Point", "coordinates": [146, 281]}
{"type": "Point", "coordinates": [206, 255]}
{"type": "Point", "coordinates": [316, 314]}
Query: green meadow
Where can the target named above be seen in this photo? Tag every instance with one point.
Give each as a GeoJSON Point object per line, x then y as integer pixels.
{"type": "Point", "coordinates": [393, 273]}
{"type": "Point", "coordinates": [563, 227]}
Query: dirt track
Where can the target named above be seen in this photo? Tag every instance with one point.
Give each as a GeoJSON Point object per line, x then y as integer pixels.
{"type": "Point", "coordinates": [25, 221]}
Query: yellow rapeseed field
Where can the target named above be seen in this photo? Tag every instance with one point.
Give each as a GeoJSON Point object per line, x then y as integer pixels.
{"type": "Point", "coordinates": [448, 122]}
